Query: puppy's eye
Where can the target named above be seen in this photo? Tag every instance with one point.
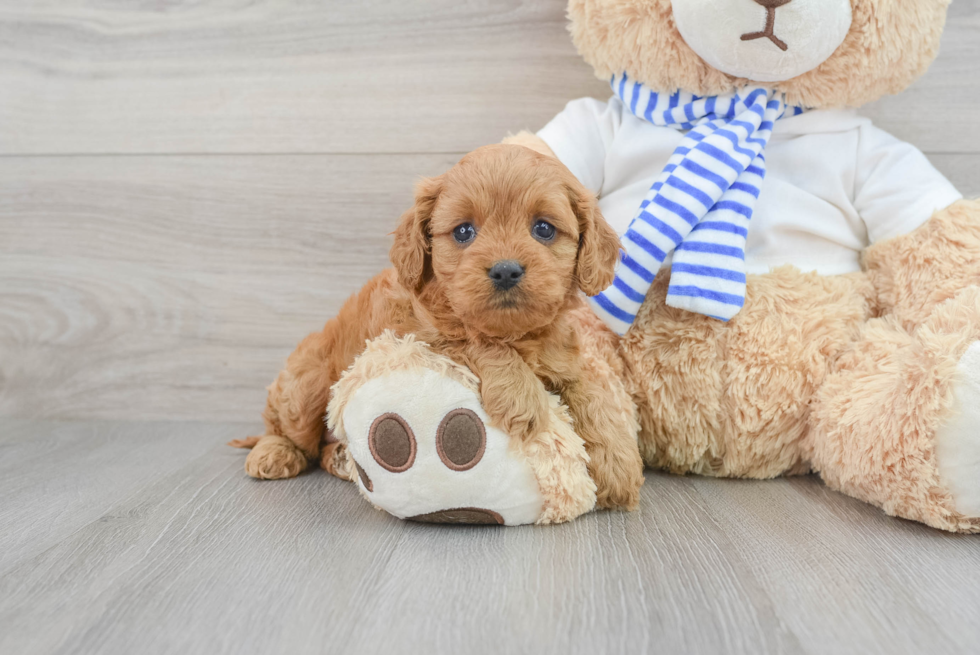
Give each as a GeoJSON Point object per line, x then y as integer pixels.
{"type": "Point", "coordinates": [543, 230]}
{"type": "Point", "coordinates": [464, 233]}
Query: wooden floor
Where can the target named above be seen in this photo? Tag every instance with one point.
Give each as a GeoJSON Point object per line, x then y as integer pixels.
{"type": "Point", "coordinates": [146, 537]}
{"type": "Point", "coordinates": [186, 189]}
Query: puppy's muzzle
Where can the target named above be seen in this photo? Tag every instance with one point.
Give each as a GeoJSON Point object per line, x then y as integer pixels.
{"type": "Point", "coordinates": [506, 274]}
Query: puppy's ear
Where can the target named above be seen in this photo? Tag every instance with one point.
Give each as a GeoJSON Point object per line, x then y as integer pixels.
{"type": "Point", "coordinates": [411, 253]}
{"type": "Point", "coordinates": [598, 249]}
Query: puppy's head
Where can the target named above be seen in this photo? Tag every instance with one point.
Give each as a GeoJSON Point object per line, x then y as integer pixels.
{"type": "Point", "coordinates": [507, 236]}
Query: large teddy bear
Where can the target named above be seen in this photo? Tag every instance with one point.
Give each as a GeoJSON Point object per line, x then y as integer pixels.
{"type": "Point", "coordinates": [838, 330]}
{"type": "Point", "coordinates": [799, 291]}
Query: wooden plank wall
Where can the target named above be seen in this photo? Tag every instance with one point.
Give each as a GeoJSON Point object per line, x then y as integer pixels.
{"type": "Point", "coordinates": [186, 189]}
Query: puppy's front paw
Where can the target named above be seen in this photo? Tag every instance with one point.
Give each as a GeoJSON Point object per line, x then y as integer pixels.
{"type": "Point", "coordinates": [521, 415]}
{"type": "Point", "coordinates": [275, 458]}
{"type": "Point", "coordinates": [522, 420]}
{"type": "Point", "coordinates": [623, 493]}
{"type": "Point", "coordinates": [618, 475]}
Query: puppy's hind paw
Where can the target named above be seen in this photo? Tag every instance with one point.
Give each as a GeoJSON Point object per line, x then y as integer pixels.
{"type": "Point", "coordinates": [275, 458]}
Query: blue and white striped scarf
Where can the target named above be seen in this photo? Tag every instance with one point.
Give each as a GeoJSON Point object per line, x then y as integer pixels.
{"type": "Point", "coordinates": [699, 208]}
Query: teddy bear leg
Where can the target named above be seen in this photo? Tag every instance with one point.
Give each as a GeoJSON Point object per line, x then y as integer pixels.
{"type": "Point", "coordinates": [958, 439]}
{"type": "Point", "coordinates": [413, 434]}
{"type": "Point", "coordinates": [732, 399]}
{"type": "Point", "coordinates": [895, 423]}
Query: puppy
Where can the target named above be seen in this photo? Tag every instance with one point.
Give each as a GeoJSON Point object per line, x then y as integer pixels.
{"type": "Point", "coordinates": [488, 269]}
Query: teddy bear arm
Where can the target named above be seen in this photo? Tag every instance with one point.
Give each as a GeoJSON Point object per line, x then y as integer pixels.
{"type": "Point", "coordinates": [529, 140]}
{"type": "Point", "coordinates": [914, 273]}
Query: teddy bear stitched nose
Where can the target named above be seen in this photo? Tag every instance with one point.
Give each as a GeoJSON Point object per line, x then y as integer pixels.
{"type": "Point", "coordinates": [767, 31]}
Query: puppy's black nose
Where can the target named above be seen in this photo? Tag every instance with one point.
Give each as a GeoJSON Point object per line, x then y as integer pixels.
{"type": "Point", "coordinates": [506, 274]}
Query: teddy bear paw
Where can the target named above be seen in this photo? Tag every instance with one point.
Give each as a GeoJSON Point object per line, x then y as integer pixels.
{"type": "Point", "coordinates": [958, 440]}
{"type": "Point", "coordinates": [423, 450]}
{"type": "Point", "coordinates": [419, 445]}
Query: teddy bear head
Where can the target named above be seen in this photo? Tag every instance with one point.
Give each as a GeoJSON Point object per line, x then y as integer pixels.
{"type": "Point", "coordinates": [820, 53]}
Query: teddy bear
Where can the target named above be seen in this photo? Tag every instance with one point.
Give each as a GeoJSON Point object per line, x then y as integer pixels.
{"type": "Point", "coordinates": [798, 290]}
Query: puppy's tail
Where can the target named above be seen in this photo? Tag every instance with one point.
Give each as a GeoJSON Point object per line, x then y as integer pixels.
{"type": "Point", "coordinates": [248, 442]}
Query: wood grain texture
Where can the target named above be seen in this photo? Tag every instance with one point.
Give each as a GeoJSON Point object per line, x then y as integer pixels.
{"type": "Point", "coordinates": [144, 275]}
{"type": "Point", "coordinates": [938, 112]}
{"type": "Point", "coordinates": [56, 478]}
{"type": "Point", "coordinates": [281, 76]}
{"type": "Point", "coordinates": [206, 560]}
{"type": "Point", "coordinates": [380, 76]}
{"type": "Point", "coordinates": [174, 287]}
{"type": "Point", "coordinates": [856, 568]}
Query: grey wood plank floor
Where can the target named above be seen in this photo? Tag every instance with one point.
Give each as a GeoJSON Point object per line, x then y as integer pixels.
{"type": "Point", "coordinates": [198, 558]}
{"type": "Point", "coordinates": [186, 189]}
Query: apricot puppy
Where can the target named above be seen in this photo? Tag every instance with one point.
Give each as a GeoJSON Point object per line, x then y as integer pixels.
{"type": "Point", "coordinates": [489, 266]}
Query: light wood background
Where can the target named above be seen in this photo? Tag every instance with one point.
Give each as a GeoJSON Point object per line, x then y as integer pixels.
{"type": "Point", "coordinates": [189, 187]}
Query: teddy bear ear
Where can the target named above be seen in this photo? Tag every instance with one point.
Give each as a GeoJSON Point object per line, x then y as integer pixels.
{"type": "Point", "coordinates": [599, 247]}
{"type": "Point", "coordinates": [411, 253]}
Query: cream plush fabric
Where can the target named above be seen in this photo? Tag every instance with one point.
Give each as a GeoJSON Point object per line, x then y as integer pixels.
{"type": "Point", "coordinates": [544, 480]}
{"type": "Point", "coordinates": [810, 32]}
{"type": "Point", "coordinates": [502, 481]}
{"type": "Point", "coordinates": [958, 441]}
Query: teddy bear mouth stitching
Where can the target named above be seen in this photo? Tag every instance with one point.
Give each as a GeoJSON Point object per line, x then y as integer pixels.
{"type": "Point", "coordinates": [767, 32]}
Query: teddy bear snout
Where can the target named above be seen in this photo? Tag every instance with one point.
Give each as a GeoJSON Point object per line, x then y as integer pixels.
{"type": "Point", "coordinates": [767, 31]}
{"type": "Point", "coordinates": [761, 40]}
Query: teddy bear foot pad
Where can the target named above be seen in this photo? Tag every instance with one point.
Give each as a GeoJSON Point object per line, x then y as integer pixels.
{"type": "Point", "coordinates": [463, 515]}
{"type": "Point", "coordinates": [419, 445]}
{"type": "Point", "coordinates": [958, 441]}
{"type": "Point", "coordinates": [423, 451]}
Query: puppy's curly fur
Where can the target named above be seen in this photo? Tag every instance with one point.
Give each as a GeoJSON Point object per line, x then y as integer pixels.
{"type": "Point", "coordinates": [521, 342]}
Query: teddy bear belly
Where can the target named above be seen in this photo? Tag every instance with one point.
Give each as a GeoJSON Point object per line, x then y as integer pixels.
{"type": "Point", "coordinates": [732, 399]}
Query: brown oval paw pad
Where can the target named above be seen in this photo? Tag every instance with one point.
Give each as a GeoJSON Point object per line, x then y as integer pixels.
{"type": "Point", "coordinates": [365, 480]}
{"type": "Point", "coordinates": [461, 515]}
{"type": "Point", "coordinates": [461, 440]}
{"type": "Point", "coordinates": [392, 443]}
